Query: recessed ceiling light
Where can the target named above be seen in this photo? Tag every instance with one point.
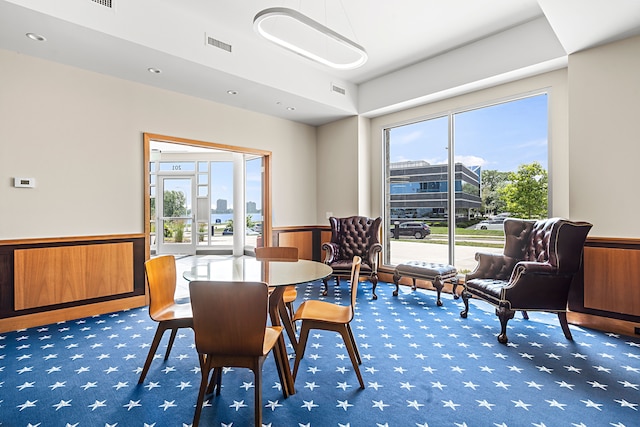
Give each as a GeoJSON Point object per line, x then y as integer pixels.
{"type": "Point", "coordinates": [154, 70]}
{"type": "Point", "coordinates": [36, 37]}
{"type": "Point", "coordinates": [232, 92]}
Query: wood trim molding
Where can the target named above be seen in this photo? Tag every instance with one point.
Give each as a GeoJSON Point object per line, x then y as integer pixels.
{"type": "Point", "coordinates": [42, 240]}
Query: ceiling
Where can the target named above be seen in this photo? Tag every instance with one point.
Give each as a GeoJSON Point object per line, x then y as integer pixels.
{"type": "Point", "coordinates": [418, 50]}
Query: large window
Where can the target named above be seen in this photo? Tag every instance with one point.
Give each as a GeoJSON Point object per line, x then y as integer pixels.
{"type": "Point", "coordinates": [458, 169]}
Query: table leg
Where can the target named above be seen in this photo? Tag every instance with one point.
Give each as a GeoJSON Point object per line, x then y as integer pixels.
{"type": "Point", "coordinates": [275, 301]}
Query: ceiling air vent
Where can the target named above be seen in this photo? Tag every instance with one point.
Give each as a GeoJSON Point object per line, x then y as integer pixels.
{"type": "Point", "coordinates": [105, 3]}
{"type": "Point", "coordinates": [338, 89]}
{"type": "Point", "coordinates": [217, 43]}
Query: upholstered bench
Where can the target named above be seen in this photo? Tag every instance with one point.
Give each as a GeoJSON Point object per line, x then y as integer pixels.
{"type": "Point", "coordinates": [437, 274]}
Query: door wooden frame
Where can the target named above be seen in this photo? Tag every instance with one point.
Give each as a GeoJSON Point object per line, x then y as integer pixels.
{"type": "Point", "coordinates": [266, 180]}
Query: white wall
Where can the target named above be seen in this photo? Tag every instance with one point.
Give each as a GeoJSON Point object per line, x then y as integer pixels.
{"type": "Point", "coordinates": [604, 98]}
{"type": "Point", "coordinates": [79, 134]}
{"type": "Point", "coordinates": [338, 170]}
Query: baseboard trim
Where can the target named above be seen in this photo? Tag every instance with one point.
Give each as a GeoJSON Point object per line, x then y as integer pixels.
{"type": "Point", "coordinates": [44, 318]}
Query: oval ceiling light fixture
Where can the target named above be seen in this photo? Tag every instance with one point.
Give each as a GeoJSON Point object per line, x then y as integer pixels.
{"type": "Point", "coordinates": [302, 35]}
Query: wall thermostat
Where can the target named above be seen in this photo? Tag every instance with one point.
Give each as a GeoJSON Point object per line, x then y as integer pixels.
{"type": "Point", "coordinates": [24, 182]}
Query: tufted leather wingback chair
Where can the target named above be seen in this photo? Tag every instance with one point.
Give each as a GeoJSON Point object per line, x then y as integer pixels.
{"type": "Point", "coordinates": [353, 236]}
{"type": "Point", "coordinates": [534, 272]}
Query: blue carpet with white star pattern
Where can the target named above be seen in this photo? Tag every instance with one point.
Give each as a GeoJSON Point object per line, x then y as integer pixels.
{"type": "Point", "coordinates": [423, 366]}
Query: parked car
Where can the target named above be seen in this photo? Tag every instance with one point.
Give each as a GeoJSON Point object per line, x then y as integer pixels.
{"type": "Point", "coordinates": [249, 232]}
{"type": "Point", "coordinates": [491, 224]}
{"type": "Point", "coordinates": [418, 230]}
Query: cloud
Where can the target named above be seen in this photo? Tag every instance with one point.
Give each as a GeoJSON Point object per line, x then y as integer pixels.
{"type": "Point", "coordinates": [408, 138]}
{"type": "Point", "coordinates": [471, 160]}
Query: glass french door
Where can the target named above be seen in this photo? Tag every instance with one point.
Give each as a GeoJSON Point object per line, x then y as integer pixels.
{"type": "Point", "coordinates": [175, 221]}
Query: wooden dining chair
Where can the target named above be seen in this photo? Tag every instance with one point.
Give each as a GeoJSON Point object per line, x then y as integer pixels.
{"type": "Point", "coordinates": [161, 278]}
{"type": "Point", "coordinates": [327, 316]}
{"type": "Point", "coordinates": [230, 324]}
{"type": "Point", "coordinates": [283, 253]}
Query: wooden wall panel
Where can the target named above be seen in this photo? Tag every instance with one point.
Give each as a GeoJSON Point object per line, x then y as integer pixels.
{"type": "Point", "coordinates": [612, 280]}
{"type": "Point", "coordinates": [303, 240]}
{"type": "Point", "coordinates": [56, 275]}
{"type": "Point", "coordinates": [308, 240]}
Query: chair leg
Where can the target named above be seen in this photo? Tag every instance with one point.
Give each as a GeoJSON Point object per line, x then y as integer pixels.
{"type": "Point", "coordinates": [465, 299]}
{"type": "Point", "coordinates": [215, 382]}
{"type": "Point", "coordinates": [374, 281]}
{"type": "Point", "coordinates": [325, 291]}
{"type": "Point", "coordinates": [205, 368]}
{"type": "Point", "coordinates": [504, 313]}
{"type": "Point", "coordinates": [347, 336]}
{"type": "Point", "coordinates": [152, 351]}
{"type": "Point", "coordinates": [257, 374]}
{"type": "Point", "coordinates": [302, 343]}
{"type": "Point", "coordinates": [562, 316]}
{"type": "Point", "coordinates": [525, 315]}
{"type": "Point", "coordinates": [288, 324]}
{"type": "Point", "coordinates": [282, 362]}
{"type": "Point", "coordinates": [291, 311]}
{"type": "Point", "coordinates": [172, 338]}
{"type": "Point", "coordinates": [353, 341]}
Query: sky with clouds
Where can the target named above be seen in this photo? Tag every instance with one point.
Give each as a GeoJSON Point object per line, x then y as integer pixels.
{"type": "Point", "coordinates": [501, 137]}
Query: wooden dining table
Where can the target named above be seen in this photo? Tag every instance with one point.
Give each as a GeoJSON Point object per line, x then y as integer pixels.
{"type": "Point", "coordinates": [278, 275]}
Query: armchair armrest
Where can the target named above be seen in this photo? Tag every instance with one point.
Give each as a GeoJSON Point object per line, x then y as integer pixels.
{"type": "Point", "coordinates": [331, 252]}
{"type": "Point", "coordinates": [492, 266]}
{"type": "Point", "coordinates": [530, 268]}
{"type": "Point", "coordinates": [374, 256]}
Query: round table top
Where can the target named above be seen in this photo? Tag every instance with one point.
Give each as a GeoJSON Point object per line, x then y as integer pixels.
{"type": "Point", "coordinates": [250, 269]}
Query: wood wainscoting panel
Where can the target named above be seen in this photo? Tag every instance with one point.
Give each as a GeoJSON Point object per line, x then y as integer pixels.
{"type": "Point", "coordinates": [611, 280]}
{"type": "Point", "coordinates": [56, 275]}
{"type": "Point", "coordinates": [303, 240]}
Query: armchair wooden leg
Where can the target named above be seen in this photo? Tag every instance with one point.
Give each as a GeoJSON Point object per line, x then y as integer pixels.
{"type": "Point", "coordinates": [504, 313]}
{"type": "Point", "coordinates": [374, 281]}
{"type": "Point", "coordinates": [326, 286]}
{"type": "Point", "coordinates": [562, 316]}
{"type": "Point", "coordinates": [465, 299]}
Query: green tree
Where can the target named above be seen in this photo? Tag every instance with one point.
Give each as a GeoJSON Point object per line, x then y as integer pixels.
{"type": "Point", "coordinates": [175, 203]}
{"type": "Point", "coordinates": [527, 190]}
{"type": "Point", "coordinates": [493, 182]}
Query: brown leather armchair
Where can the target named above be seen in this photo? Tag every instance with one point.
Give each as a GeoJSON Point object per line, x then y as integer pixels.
{"type": "Point", "coordinates": [534, 272]}
{"type": "Point", "coordinates": [353, 236]}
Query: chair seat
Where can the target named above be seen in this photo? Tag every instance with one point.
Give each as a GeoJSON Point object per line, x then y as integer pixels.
{"type": "Point", "coordinates": [290, 294]}
{"type": "Point", "coordinates": [271, 335]}
{"type": "Point", "coordinates": [345, 266]}
{"type": "Point", "coordinates": [174, 312]}
{"type": "Point", "coordinates": [487, 289]}
{"type": "Point", "coordinates": [322, 311]}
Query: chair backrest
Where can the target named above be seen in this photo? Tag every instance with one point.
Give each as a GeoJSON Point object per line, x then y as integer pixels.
{"type": "Point", "coordinates": [161, 278]}
{"type": "Point", "coordinates": [279, 253]}
{"type": "Point", "coordinates": [556, 241]}
{"type": "Point", "coordinates": [229, 318]}
{"type": "Point", "coordinates": [354, 235]}
{"type": "Point", "coordinates": [355, 278]}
